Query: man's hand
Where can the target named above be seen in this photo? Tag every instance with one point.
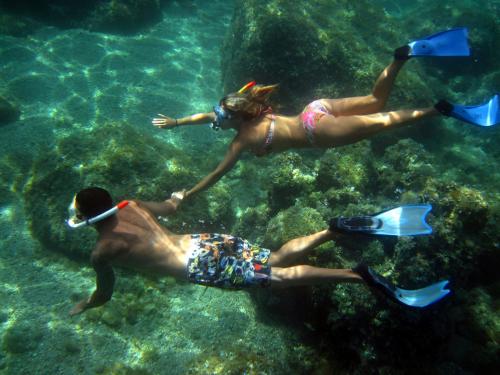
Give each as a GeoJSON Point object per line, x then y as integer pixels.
{"type": "Point", "coordinates": [79, 308]}
{"type": "Point", "coordinates": [176, 198]}
{"type": "Point", "coordinates": [164, 121]}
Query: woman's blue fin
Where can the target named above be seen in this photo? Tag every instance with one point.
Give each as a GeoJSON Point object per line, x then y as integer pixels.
{"type": "Point", "coordinates": [446, 43]}
{"type": "Point", "coordinates": [485, 114]}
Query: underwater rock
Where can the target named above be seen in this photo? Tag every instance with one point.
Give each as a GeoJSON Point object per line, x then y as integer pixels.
{"type": "Point", "coordinates": [312, 49]}
{"type": "Point", "coordinates": [8, 112]}
{"type": "Point", "coordinates": [252, 223]}
{"type": "Point", "coordinates": [126, 16]}
{"type": "Point", "coordinates": [290, 179]}
{"type": "Point", "coordinates": [122, 17]}
{"type": "Point", "coordinates": [293, 222]}
{"type": "Point", "coordinates": [347, 168]}
{"type": "Point", "coordinates": [404, 166]}
{"type": "Point", "coordinates": [21, 337]}
{"type": "Point", "coordinates": [111, 318]}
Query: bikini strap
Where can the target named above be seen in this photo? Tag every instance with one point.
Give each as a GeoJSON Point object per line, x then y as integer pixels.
{"type": "Point", "coordinates": [270, 133]}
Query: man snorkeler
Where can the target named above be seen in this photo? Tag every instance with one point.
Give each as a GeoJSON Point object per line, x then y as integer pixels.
{"type": "Point", "coordinates": [130, 236]}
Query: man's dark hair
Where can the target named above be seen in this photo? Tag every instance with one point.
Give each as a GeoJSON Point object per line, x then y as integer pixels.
{"type": "Point", "coordinates": [93, 201]}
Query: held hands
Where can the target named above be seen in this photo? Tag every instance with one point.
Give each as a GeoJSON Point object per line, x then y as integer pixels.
{"type": "Point", "coordinates": [177, 197]}
{"type": "Point", "coordinates": [164, 122]}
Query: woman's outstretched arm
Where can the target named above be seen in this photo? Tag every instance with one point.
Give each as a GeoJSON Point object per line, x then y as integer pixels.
{"type": "Point", "coordinates": [196, 119]}
{"type": "Point", "coordinates": [233, 154]}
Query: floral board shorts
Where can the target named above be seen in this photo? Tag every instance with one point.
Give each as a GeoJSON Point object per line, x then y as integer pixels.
{"type": "Point", "coordinates": [228, 262]}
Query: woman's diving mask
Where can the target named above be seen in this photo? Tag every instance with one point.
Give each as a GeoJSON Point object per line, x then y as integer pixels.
{"type": "Point", "coordinates": [221, 115]}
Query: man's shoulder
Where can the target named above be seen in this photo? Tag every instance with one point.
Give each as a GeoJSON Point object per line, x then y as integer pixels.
{"type": "Point", "coordinates": [107, 248]}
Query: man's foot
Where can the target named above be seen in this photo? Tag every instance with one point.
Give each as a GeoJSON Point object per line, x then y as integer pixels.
{"type": "Point", "coordinates": [444, 107]}
{"type": "Point", "coordinates": [402, 53]}
{"type": "Point", "coordinates": [333, 225]}
{"type": "Point", "coordinates": [375, 281]}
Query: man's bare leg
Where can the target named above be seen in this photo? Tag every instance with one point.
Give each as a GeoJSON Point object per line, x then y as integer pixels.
{"type": "Point", "coordinates": [294, 249]}
{"type": "Point", "coordinates": [308, 275]}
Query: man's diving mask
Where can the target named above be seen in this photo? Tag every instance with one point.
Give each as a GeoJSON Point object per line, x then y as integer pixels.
{"type": "Point", "coordinates": [220, 116]}
{"type": "Point", "coordinates": [73, 217]}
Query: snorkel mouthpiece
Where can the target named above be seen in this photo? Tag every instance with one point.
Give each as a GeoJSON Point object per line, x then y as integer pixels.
{"type": "Point", "coordinates": [74, 222]}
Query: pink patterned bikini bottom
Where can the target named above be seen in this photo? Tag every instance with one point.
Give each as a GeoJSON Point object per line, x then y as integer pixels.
{"type": "Point", "coordinates": [310, 116]}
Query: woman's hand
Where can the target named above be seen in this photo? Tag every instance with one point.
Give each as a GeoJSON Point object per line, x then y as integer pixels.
{"type": "Point", "coordinates": [164, 121]}
{"type": "Point", "coordinates": [178, 195]}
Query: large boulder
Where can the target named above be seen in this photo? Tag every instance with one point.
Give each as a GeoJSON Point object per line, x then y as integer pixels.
{"type": "Point", "coordinates": [311, 49]}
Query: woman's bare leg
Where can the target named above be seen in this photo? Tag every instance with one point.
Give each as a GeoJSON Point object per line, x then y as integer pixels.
{"type": "Point", "coordinates": [337, 131]}
{"type": "Point", "coordinates": [309, 275]}
{"type": "Point", "coordinates": [294, 249]}
{"type": "Point", "coordinates": [373, 103]}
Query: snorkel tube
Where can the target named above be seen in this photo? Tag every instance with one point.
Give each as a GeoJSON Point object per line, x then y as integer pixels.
{"type": "Point", "coordinates": [249, 85]}
{"type": "Point", "coordinates": [73, 220]}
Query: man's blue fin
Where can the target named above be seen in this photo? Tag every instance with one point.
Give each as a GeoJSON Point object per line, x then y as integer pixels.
{"type": "Point", "coordinates": [446, 43]}
{"type": "Point", "coordinates": [407, 220]}
{"type": "Point", "coordinates": [413, 298]}
{"type": "Point", "coordinates": [485, 114]}
{"type": "Point", "coordinates": [422, 297]}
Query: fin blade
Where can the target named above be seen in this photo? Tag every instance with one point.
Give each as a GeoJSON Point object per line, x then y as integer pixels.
{"type": "Point", "coordinates": [453, 42]}
{"type": "Point", "coordinates": [407, 220]}
{"type": "Point", "coordinates": [423, 297]}
{"type": "Point", "coordinates": [485, 114]}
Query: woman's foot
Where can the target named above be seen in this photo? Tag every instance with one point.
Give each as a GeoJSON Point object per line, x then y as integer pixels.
{"type": "Point", "coordinates": [402, 53]}
{"type": "Point", "coordinates": [444, 107]}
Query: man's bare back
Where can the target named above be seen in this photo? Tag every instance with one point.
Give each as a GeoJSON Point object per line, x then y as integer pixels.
{"type": "Point", "coordinates": [133, 238]}
{"type": "Point", "coordinates": [137, 240]}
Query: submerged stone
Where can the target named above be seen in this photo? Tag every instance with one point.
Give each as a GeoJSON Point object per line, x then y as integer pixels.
{"type": "Point", "coordinates": [21, 338]}
{"type": "Point", "coordinates": [8, 112]}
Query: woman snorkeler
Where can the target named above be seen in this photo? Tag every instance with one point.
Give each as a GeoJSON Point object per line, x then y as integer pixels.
{"type": "Point", "coordinates": [323, 123]}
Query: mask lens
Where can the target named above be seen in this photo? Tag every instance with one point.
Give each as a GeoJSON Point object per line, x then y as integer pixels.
{"type": "Point", "coordinates": [220, 116]}
{"type": "Point", "coordinates": [73, 215]}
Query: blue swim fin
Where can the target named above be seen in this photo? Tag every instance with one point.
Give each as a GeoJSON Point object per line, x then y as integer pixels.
{"type": "Point", "coordinates": [485, 114]}
{"type": "Point", "coordinates": [446, 43]}
{"type": "Point", "coordinates": [408, 220]}
{"type": "Point", "coordinates": [413, 298]}
{"type": "Point", "coordinates": [423, 297]}
{"type": "Point", "coordinates": [452, 42]}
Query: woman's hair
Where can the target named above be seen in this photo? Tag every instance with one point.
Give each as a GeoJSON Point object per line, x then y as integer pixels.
{"type": "Point", "coordinates": [93, 201]}
{"type": "Point", "coordinates": [249, 103]}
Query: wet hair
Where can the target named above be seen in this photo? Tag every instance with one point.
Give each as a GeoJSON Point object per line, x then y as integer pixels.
{"type": "Point", "coordinates": [251, 103]}
{"type": "Point", "coordinates": [93, 201]}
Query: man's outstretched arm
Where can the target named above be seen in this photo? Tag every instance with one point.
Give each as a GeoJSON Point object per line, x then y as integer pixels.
{"type": "Point", "coordinates": [105, 281]}
{"type": "Point", "coordinates": [167, 207]}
